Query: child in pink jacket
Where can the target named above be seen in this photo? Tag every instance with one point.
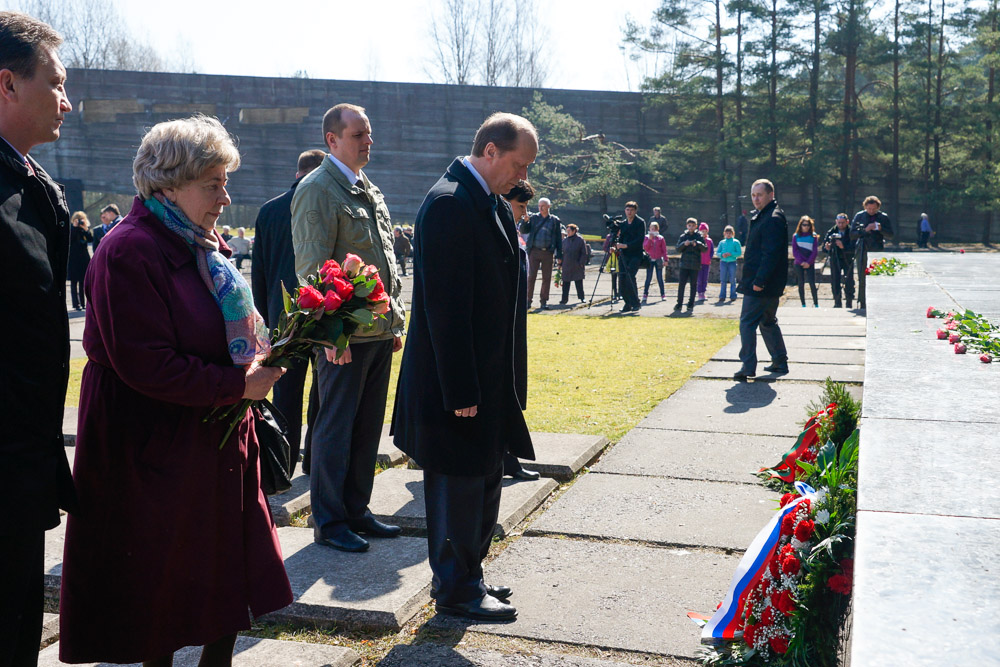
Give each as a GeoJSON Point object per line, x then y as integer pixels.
{"type": "Point", "coordinates": [706, 261]}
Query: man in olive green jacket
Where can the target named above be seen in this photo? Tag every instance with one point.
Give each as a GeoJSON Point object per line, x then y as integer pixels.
{"type": "Point", "coordinates": [336, 210]}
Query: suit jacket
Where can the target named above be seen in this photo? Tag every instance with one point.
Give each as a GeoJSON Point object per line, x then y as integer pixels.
{"type": "Point", "coordinates": [34, 245]}
{"type": "Point", "coordinates": [765, 262]}
{"type": "Point", "coordinates": [273, 256]}
{"type": "Point", "coordinates": [875, 239]}
{"type": "Point", "coordinates": [466, 343]}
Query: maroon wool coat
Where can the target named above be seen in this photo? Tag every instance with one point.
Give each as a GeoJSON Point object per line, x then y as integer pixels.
{"type": "Point", "coordinates": [174, 540]}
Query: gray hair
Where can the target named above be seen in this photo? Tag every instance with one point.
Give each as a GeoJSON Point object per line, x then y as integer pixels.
{"type": "Point", "coordinates": [545, 200]}
{"type": "Point", "coordinates": [179, 151]}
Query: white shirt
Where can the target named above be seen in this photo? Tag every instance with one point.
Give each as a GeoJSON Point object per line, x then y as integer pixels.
{"type": "Point", "coordinates": [482, 182]}
{"type": "Point", "coordinates": [351, 177]}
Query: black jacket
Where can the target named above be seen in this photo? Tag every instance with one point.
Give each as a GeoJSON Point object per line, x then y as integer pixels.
{"type": "Point", "coordinates": [875, 239]}
{"type": "Point", "coordinates": [466, 343]}
{"type": "Point", "coordinates": [79, 252]}
{"type": "Point", "coordinates": [632, 233]}
{"type": "Point", "coordinates": [845, 256]}
{"type": "Point", "coordinates": [534, 223]}
{"type": "Point", "coordinates": [34, 242]}
{"type": "Point", "coordinates": [273, 257]}
{"type": "Point", "coordinates": [691, 254]}
{"type": "Point", "coordinates": [765, 261]}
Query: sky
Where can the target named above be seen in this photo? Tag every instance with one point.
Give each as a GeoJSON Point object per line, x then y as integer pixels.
{"type": "Point", "coordinates": [383, 40]}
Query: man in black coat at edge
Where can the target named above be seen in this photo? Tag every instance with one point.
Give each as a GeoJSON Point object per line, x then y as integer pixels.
{"type": "Point", "coordinates": [630, 248]}
{"type": "Point", "coordinates": [765, 272]}
{"type": "Point", "coordinates": [34, 244]}
{"type": "Point", "coordinates": [463, 380]}
{"type": "Point", "coordinates": [273, 263]}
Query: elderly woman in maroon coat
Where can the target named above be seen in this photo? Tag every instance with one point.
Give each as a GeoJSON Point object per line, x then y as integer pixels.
{"type": "Point", "coordinates": [174, 541]}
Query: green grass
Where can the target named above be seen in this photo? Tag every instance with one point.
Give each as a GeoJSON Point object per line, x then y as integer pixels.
{"type": "Point", "coordinates": [590, 374]}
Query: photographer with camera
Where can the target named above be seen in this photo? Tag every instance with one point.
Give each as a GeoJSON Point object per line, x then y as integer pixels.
{"type": "Point", "coordinates": [629, 247]}
{"type": "Point", "coordinates": [839, 244]}
{"type": "Point", "coordinates": [871, 227]}
{"type": "Point", "coordinates": [544, 247]}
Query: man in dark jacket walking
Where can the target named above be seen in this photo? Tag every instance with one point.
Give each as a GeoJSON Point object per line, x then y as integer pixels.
{"type": "Point", "coordinates": [273, 264]}
{"type": "Point", "coordinates": [871, 227]}
{"type": "Point", "coordinates": [630, 251]}
{"type": "Point", "coordinates": [765, 272]}
{"type": "Point", "coordinates": [34, 227]}
{"type": "Point", "coordinates": [463, 381]}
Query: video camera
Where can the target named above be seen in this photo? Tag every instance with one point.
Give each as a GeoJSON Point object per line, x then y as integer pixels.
{"type": "Point", "coordinates": [614, 224]}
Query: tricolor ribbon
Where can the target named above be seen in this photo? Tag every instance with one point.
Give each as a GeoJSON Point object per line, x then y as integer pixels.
{"type": "Point", "coordinates": [725, 624]}
{"type": "Point", "coordinates": [785, 470]}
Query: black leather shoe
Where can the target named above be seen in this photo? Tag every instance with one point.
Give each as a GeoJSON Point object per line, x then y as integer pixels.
{"type": "Point", "coordinates": [345, 540]}
{"type": "Point", "coordinates": [741, 375]}
{"type": "Point", "coordinates": [372, 526]}
{"type": "Point", "coordinates": [499, 592]}
{"type": "Point", "coordinates": [526, 475]}
{"type": "Point", "coordinates": [776, 368]}
{"type": "Point", "coordinates": [486, 608]}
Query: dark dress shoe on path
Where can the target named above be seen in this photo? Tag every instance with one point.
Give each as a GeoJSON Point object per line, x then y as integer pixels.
{"type": "Point", "coordinates": [486, 608]}
{"type": "Point", "coordinates": [345, 540]}
{"type": "Point", "coordinates": [372, 526]}
{"type": "Point", "coordinates": [741, 375]}
{"type": "Point", "coordinates": [526, 475]}
{"type": "Point", "coordinates": [777, 368]}
{"type": "Point", "coordinates": [499, 592]}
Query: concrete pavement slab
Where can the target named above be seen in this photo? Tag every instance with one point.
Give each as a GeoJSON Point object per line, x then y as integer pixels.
{"type": "Point", "coordinates": [799, 355]}
{"type": "Point", "coordinates": [436, 655]}
{"type": "Point", "coordinates": [755, 408]}
{"type": "Point", "coordinates": [797, 372]}
{"type": "Point", "coordinates": [50, 629]}
{"type": "Point", "coordinates": [804, 343]}
{"type": "Point", "coordinates": [953, 388]}
{"type": "Point", "coordinates": [820, 330]}
{"type": "Point", "coordinates": [249, 652]}
{"type": "Point", "coordinates": [672, 512]}
{"type": "Point", "coordinates": [926, 592]}
{"type": "Point", "coordinates": [721, 457]}
{"type": "Point", "coordinates": [380, 588]}
{"type": "Point", "coordinates": [562, 455]}
{"type": "Point", "coordinates": [607, 595]}
{"type": "Point", "coordinates": [963, 482]}
{"type": "Point", "coordinates": [398, 498]}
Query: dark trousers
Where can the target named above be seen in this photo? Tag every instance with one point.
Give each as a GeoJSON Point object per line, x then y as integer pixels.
{"type": "Point", "coordinates": [540, 259]}
{"type": "Point", "coordinates": [841, 273]}
{"type": "Point", "coordinates": [924, 237]}
{"type": "Point", "coordinates": [510, 464]}
{"type": "Point", "coordinates": [861, 264]}
{"type": "Point", "coordinates": [579, 290]}
{"type": "Point", "coordinates": [352, 401]}
{"type": "Point", "coordinates": [288, 400]}
{"type": "Point", "coordinates": [76, 291]}
{"type": "Point", "coordinates": [687, 277]}
{"type": "Point", "coordinates": [626, 281]}
{"type": "Point", "coordinates": [22, 560]}
{"type": "Point", "coordinates": [655, 266]}
{"type": "Point", "coordinates": [803, 274]}
{"type": "Point", "coordinates": [461, 516]}
{"type": "Point", "coordinates": [759, 311]}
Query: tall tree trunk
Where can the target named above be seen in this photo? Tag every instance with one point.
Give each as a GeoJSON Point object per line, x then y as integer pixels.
{"type": "Point", "coordinates": [817, 199]}
{"type": "Point", "coordinates": [772, 89]}
{"type": "Point", "coordinates": [894, 189]}
{"type": "Point", "coordinates": [847, 131]}
{"type": "Point", "coordinates": [926, 172]}
{"type": "Point", "coordinates": [719, 115]}
{"type": "Point", "coordinates": [936, 164]}
{"type": "Point", "coordinates": [739, 106]}
{"type": "Point", "coordinates": [988, 220]}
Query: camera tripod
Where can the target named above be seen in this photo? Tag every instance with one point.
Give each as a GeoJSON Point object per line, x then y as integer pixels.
{"type": "Point", "coordinates": [611, 263]}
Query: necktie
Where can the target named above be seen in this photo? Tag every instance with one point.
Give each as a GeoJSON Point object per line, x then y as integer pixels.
{"type": "Point", "coordinates": [31, 171]}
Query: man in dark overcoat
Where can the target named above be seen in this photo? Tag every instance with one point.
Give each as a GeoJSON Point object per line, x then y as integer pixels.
{"type": "Point", "coordinates": [871, 227]}
{"type": "Point", "coordinates": [273, 263]}
{"type": "Point", "coordinates": [34, 244]}
{"type": "Point", "coordinates": [463, 380]}
{"type": "Point", "coordinates": [765, 272]}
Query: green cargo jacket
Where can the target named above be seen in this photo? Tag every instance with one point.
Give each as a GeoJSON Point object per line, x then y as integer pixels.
{"type": "Point", "coordinates": [330, 218]}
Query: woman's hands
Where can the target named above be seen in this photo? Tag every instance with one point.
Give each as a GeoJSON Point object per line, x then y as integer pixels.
{"type": "Point", "coordinates": [260, 379]}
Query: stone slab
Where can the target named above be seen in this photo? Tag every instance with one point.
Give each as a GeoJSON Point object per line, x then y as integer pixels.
{"type": "Point", "coordinates": [722, 457]}
{"type": "Point", "coordinates": [50, 629]}
{"type": "Point", "coordinates": [296, 499]}
{"type": "Point", "coordinates": [945, 471]}
{"type": "Point", "coordinates": [849, 373]}
{"type": "Point", "coordinates": [819, 329]}
{"type": "Point", "coordinates": [381, 588]}
{"type": "Point", "coordinates": [436, 655]}
{"type": "Point", "coordinates": [926, 591]}
{"type": "Point", "coordinates": [249, 652]}
{"type": "Point", "coordinates": [398, 498]}
{"type": "Point", "coordinates": [800, 355]}
{"type": "Point", "coordinates": [562, 455]}
{"type": "Point", "coordinates": [670, 512]}
{"type": "Point", "coordinates": [953, 388]}
{"type": "Point", "coordinates": [616, 596]}
{"type": "Point", "coordinates": [807, 343]}
{"type": "Point", "coordinates": [754, 408]}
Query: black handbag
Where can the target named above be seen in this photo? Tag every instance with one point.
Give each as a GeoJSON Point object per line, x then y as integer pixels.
{"type": "Point", "coordinates": [275, 453]}
{"type": "Point", "coordinates": [644, 261]}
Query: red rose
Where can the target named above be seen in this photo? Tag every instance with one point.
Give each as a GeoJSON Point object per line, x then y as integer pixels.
{"type": "Point", "coordinates": [748, 634]}
{"type": "Point", "coordinates": [954, 338]}
{"type": "Point", "coordinates": [382, 305]}
{"type": "Point", "coordinates": [951, 326]}
{"type": "Point", "coordinates": [779, 644]}
{"type": "Point", "coordinates": [805, 505]}
{"type": "Point", "coordinates": [962, 250]}
{"type": "Point", "coordinates": [789, 497]}
{"type": "Point", "coordinates": [353, 265]}
{"type": "Point", "coordinates": [840, 583]}
{"type": "Point", "coordinates": [788, 524]}
{"type": "Point", "coordinates": [369, 271]}
{"type": "Point", "coordinates": [847, 566]}
{"type": "Point", "coordinates": [785, 603]}
{"type": "Point", "coordinates": [309, 298]}
{"type": "Point", "coordinates": [772, 566]}
{"type": "Point", "coordinates": [767, 617]}
{"type": "Point", "coordinates": [330, 270]}
{"type": "Point", "coordinates": [345, 290]}
{"type": "Point", "coordinates": [790, 565]}
{"type": "Point", "coordinates": [960, 348]}
{"type": "Point", "coordinates": [332, 301]}
{"type": "Point", "coordinates": [985, 358]}
{"type": "Point", "coordinates": [377, 291]}
{"type": "Point", "coordinates": [942, 334]}
{"type": "Point", "coordinates": [804, 530]}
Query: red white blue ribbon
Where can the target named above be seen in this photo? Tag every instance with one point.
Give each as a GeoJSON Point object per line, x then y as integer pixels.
{"type": "Point", "coordinates": [725, 624]}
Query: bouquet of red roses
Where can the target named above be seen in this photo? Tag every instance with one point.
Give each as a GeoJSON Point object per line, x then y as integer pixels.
{"type": "Point", "coordinates": [324, 310]}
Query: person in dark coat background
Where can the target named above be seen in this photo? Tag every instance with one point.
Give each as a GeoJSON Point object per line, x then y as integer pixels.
{"type": "Point", "coordinates": [174, 540]}
{"type": "Point", "coordinates": [765, 272]}
{"type": "Point", "coordinates": [273, 263]}
{"type": "Point", "coordinates": [463, 380]}
{"type": "Point", "coordinates": [574, 259]}
{"type": "Point", "coordinates": [34, 236]}
{"type": "Point", "coordinates": [79, 257]}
